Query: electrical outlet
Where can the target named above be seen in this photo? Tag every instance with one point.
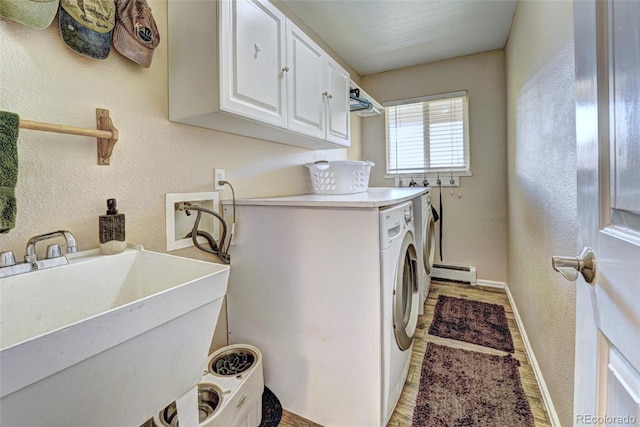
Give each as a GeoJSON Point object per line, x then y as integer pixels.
{"type": "Point", "coordinates": [218, 175]}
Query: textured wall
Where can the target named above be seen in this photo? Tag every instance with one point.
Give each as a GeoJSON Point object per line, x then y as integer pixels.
{"type": "Point", "coordinates": [542, 186]}
{"type": "Point", "coordinates": [475, 224]}
{"type": "Point", "coordinates": [59, 184]}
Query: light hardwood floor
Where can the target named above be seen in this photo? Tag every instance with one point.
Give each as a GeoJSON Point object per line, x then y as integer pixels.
{"type": "Point", "coordinates": [403, 413]}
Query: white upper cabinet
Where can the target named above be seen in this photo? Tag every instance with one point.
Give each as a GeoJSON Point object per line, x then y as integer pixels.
{"type": "Point", "coordinates": [305, 83]}
{"type": "Point", "coordinates": [337, 103]}
{"type": "Point", "coordinates": [252, 61]}
{"type": "Point", "coordinates": [317, 90]}
{"type": "Point", "coordinates": [240, 66]}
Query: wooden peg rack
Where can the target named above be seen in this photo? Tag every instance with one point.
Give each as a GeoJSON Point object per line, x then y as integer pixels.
{"type": "Point", "coordinates": [106, 133]}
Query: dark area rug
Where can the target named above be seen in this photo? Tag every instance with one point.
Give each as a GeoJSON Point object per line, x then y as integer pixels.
{"type": "Point", "coordinates": [473, 322]}
{"type": "Point", "coordinates": [271, 409]}
{"type": "Point", "coordinates": [468, 388]}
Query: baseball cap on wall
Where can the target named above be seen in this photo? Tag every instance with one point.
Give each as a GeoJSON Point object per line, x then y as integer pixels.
{"type": "Point", "coordinates": [36, 14]}
{"type": "Point", "coordinates": [135, 35]}
{"type": "Point", "coordinates": [86, 26]}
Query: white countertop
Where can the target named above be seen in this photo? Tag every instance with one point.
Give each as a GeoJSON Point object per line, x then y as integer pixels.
{"type": "Point", "coordinates": [374, 197]}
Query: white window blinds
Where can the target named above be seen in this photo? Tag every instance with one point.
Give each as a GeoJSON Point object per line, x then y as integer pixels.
{"type": "Point", "coordinates": [428, 135]}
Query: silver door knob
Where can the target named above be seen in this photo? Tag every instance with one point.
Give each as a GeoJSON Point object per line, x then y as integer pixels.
{"type": "Point", "coordinates": [569, 267]}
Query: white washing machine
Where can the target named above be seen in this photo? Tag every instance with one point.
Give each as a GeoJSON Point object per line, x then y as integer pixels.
{"type": "Point", "coordinates": [425, 243]}
{"type": "Point", "coordinates": [312, 286]}
{"type": "Point", "coordinates": [400, 298]}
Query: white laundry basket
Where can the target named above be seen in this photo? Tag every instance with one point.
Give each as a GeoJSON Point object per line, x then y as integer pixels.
{"type": "Point", "coordinates": [339, 176]}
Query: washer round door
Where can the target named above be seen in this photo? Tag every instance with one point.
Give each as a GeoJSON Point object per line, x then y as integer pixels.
{"type": "Point", "coordinates": [429, 242]}
{"type": "Point", "coordinates": [405, 295]}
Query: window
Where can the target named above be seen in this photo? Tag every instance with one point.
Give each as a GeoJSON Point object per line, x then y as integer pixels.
{"type": "Point", "coordinates": [428, 135]}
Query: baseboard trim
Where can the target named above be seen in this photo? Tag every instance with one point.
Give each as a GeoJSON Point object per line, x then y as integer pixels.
{"type": "Point", "coordinates": [491, 284]}
{"type": "Point", "coordinates": [544, 391]}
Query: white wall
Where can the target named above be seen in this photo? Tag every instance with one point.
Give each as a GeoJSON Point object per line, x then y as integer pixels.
{"type": "Point", "coordinates": [475, 216]}
{"type": "Point", "coordinates": [59, 184]}
{"type": "Point", "coordinates": [542, 186]}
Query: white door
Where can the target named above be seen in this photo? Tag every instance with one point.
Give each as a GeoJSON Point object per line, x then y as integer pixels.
{"type": "Point", "coordinates": [305, 82]}
{"type": "Point", "coordinates": [337, 103]}
{"type": "Point", "coordinates": [607, 372]}
{"type": "Point", "coordinates": [252, 59]}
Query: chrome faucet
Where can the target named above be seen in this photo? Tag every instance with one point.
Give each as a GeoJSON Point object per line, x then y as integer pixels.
{"type": "Point", "coordinates": [9, 267]}
{"type": "Point", "coordinates": [53, 251]}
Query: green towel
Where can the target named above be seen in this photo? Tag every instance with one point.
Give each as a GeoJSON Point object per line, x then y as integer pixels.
{"type": "Point", "coordinates": [9, 125]}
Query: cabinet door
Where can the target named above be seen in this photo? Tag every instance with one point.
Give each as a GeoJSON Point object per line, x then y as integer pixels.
{"type": "Point", "coordinates": [337, 102]}
{"type": "Point", "coordinates": [305, 84]}
{"type": "Point", "coordinates": [252, 58]}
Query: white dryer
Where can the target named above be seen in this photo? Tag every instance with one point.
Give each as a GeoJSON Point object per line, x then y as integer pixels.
{"type": "Point", "coordinates": [425, 242]}
{"type": "Point", "coordinates": [399, 265]}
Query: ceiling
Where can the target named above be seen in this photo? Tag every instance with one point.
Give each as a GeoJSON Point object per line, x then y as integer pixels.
{"type": "Point", "coordinates": [380, 35]}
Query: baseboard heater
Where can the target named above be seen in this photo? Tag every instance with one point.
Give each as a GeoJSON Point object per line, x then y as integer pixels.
{"type": "Point", "coordinates": [456, 273]}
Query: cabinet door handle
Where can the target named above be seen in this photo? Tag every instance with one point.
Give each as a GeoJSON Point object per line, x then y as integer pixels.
{"type": "Point", "coordinates": [285, 69]}
{"type": "Point", "coordinates": [327, 95]}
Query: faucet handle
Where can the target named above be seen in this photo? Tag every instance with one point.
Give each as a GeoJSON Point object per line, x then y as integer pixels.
{"type": "Point", "coordinates": [7, 259]}
{"type": "Point", "coordinates": [54, 251]}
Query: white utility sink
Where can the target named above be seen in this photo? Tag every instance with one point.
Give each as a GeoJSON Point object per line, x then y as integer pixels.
{"type": "Point", "coordinates": [105, 340]}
